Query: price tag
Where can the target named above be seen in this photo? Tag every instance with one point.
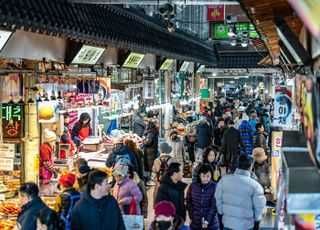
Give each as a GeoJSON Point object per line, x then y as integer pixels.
{"type": "Point", "coordinates": [7, 150]}
{"type": "Point", "coordinates": [6, 164]}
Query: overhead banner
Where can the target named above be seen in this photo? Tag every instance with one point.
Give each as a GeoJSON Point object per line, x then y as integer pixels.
{"type": "Point", "coordinates": [133, 61]}
{"type": "Point", "coordinates": [283, 107]}
{"type": "Point", "coordinates": [149, 89]}
{"type": "Point", "coordinates": [88, 55]}
{"type": "Point", "coordinates": [216, 13]}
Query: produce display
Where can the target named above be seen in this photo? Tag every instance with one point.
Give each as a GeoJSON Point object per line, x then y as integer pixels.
{"type": "Point", "coordinates": [10, 209]}
{"type": "Point", "coordinates": [7, 224]}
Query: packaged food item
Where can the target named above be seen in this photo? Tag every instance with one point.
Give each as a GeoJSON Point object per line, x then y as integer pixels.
{"type": "Point", "coordinates": [10, 209]}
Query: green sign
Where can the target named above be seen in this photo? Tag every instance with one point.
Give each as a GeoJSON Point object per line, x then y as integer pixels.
{"type": "Point", "coordinates": [166, 64]}
{"type": "Point", "coordinates": [133, 61]}
{"type": "Point", "coordinates": [221, 30]}
{"type": "Point", "coordinates": [88, 55]}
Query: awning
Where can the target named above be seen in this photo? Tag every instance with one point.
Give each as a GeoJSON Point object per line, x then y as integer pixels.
{"type": "Point", "coordinates": [103, 25]}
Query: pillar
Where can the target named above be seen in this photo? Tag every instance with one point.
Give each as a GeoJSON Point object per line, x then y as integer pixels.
{"type": "Point", "coordinates": [168, 108]}
{"type": "Point", "coordinates": [30, 157]}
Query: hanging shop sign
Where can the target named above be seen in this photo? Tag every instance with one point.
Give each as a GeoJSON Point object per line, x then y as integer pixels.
{"type": "Point", "coordinates": [12, 124]}
{"type": "Point", "coordinates": [175, 84]}
{"type": "Point", "coordinates": [7, 150]}
{"type": "Point", "coordinates": [187, 86]}
{"type": "Point", "coordinates": [184, 66]}
{"type": "Point", "coordinates": [283, 107]}
{"type": "Point", "coordinates": [133, 60]}
{"type": "Point", "coordinates": [4, 37]}
{"type": "Point", "coordinates": [48, 111]}
{"type": "Point", "coordinates": [10, 87]}
{"type": "Point", "coordinates": [203, 83]}
{"type": "Point", "coordinates": [6, 164]}
{"type": "Point", "coordinates": [149, 89]}
{"type": "Point", "coordinates": [165, 66]}
{"type": "Point", "coordinates": [88, 55]}
{"type": "Point", "coordinates": [216, 13]}
{"type": "Point", "coordinates": [309, 13]}
{"type": "Point", "coordinates": [201, 69]}
{"type": "Point", "coordinates": [220, 31]}
{"type": "Point", "coordinates": [276, 144]}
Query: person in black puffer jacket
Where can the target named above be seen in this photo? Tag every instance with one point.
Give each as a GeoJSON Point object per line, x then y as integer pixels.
{"type": "Point", "coordinates": [204, 137]}
{"type": "Point", "coordinates": [150, 146]}
{"type": "Point", "coordinates": [31, 205]}
{"type": "Point", "coordinates": [69, 196]}
{"type": "Point", "coordinates": [172, 189]}
{"type": "Point", "coordinates": [259, 137]}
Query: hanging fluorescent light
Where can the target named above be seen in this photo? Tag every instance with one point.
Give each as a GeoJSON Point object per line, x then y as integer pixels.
{"type": "Point", "coordinates": [223, 90]}
{"type": "Point", "coordinates": [244, 43]}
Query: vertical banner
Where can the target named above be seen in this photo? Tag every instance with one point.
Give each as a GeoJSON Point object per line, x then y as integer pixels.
{"type": "Point", "coordinates": [216, 13]}
{"type": "Point", "coordinates": [276, 144]}
{"type": "Point", "coordinates": [10, 87]}
{"type": "Point", "coordinates": [148, 89]}
{"type": "Point", "coordinates": [12, 120]}
{"type": "Point", "coordinates": [283, 107]}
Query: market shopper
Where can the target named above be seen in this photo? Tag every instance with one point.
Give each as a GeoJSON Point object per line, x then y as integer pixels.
{"type": "Point", "coordinates": [150, 146]}
{"type": "Point", "coordinates": [97, 209]}
{"type": "Point", "coordinates": [212, 157]}
{"type": "Point", "coordinates": [261, 168]}
{"type": "Point", "coordinates": [126, 190]}
{"type": "Point", "coordinates": [166, 218]}
{"type": "Point", "coordinates": [137, 154]}
{"type": "Point", "coordinates": [31, 204]}
{"type": "Point", "coordinates": [81, 130]}
{"type": "Point", "coordinates": [172, 189]}
{"type": "Point", "coordinates": [239, 212]}
{"type": "Point", "coordinates": [48, 219]}
{"type": "Point", "coordinates": [190, 141]}
{"type": "Point", "coordinates": [254, 120]}
{"type": "Point", "coordinates": [246, 133]}
{"type": "Point", "coordinates": [47, 167]}
{"type": "Point", "coordinates": [230, 149]}
{"type": "Point", "coordinates": [81, 171]}
{"type": "Point", "coordinates": [177, 146]}
{"type": "Point", "coordinates": [204, 137]}
{"type": "Point", "coordinates": [68, 197]}
{"type": "Point", "coordinates": [200, 200]}
{"type": "Point", "coordinates": [260, 137]}
{"type": "Point", "coordinates": [139, 125]}
{"type": "Point", "coordinates": [140, 183]}
{"type": "Point", "coordinates": [218, 132]}
{"type": "Point", "coordinates": [241, 115]}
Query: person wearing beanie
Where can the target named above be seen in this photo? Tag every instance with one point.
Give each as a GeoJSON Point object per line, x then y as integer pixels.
{"type": "Point", "coordinates": [46, 157]}
{"type": "Point", "coordinates": [126, 190]}
{"type": "Point", "coordinates": [68, 197]}
{"type": "Point", "coordinates": [261, 168]}
{"type": "Point", "coordinates": [81, 130]}
{"type": "Point", "coordinates": [166, 218]}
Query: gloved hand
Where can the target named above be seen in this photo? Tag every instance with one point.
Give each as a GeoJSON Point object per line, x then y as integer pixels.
{"type": "Point", "coordinates": [256, 225]}
{"type": "Point", "coordinates": [77, 141]}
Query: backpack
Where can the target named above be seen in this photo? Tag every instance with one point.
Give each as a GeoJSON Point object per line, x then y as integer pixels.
{"type": "Point", "coordinates": [123, 159]}
{"type": "Point", "coordinates": [73, 201]}
{"type": "Point", "coordinates": [163, 168]}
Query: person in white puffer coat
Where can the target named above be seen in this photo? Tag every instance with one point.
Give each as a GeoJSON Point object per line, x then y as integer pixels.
{"type": "Point", "coordinates": [240, 200]}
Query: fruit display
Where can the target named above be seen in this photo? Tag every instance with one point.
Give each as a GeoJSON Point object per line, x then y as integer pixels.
{"type": "Point", "coordinates": [7, 224]}
{"type": "Point", "coordinates": [10, 209]}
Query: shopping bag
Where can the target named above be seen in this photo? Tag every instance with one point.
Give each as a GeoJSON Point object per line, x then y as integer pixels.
{"type": "Point", "coordinates": [133, 222]}
{"type": "Point", "coordinates": [133, 207]}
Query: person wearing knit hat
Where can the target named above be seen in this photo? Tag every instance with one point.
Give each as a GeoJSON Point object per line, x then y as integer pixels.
{"type": "Point", "coordinates": [46, 157]}
{"type": "Point", "coordinates": [68, 196]}
{"type": "Point", "coordinates": [261, 168]}
{"type": "Point", "coordinates": [166, 218]}
{"type": "Point", "coordinates": [177, 145]}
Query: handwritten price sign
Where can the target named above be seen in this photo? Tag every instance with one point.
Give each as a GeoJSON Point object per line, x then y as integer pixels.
{"type": "Point", "coordinates": [6, 164]}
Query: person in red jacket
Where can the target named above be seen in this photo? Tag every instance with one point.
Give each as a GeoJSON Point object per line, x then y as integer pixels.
{"type": "Point", "coordinates": [46, 157]}
{"type": "Point", "coordinates": [81, 130]}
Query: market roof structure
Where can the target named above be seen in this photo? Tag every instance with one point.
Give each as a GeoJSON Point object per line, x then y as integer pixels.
{"type": "Point", "coordinates": [103, 25]}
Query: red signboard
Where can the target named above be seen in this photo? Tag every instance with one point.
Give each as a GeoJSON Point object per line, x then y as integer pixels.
{"type": "Point", "coordinates": [216, 13]}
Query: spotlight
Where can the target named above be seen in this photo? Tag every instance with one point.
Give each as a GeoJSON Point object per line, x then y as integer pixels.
{"type": "Point", "coordinates": [244, 43]}
{"type": "Point", "coordinates": [233, 42]}
{"type": "Point", "coordinates": [171, 27]}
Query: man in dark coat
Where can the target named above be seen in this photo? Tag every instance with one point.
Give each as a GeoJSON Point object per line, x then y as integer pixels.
{"type": "Point", "coordinates": [218, 132]}
{"type": "Point", "coordinates": [231, 142]}
{"type": "Point", "coordinates": [97, 209]}
{"type": "Point", "coordinates": [204, 137]}
{"type": "Point", "coordinates": [31, 205]}
{"type": "Point", "coordinates": [138, 124]}
{"type": "Point", "coordinates": [259, 137]}
{"type": "Point", "coordinates": [172, 189]}
{"type": "Point", "coordinates": [151, 146]}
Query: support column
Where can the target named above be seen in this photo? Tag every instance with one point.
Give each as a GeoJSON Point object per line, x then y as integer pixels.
{"type": "Point", "coordinates": [30, 156]}
{"type": "Point", "coordinates": [168, 109]}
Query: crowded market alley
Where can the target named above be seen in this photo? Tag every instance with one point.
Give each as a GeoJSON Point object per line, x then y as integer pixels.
{"type": "Point", "coordinates": [159, 115]}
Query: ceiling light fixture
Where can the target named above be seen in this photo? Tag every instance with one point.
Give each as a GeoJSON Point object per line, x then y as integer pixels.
{"type": "Point", "coordinates": [244, 43]}
{"type": "Point", "coordinates": [231, 30]}
{"type": "Point", "coordinates": [233, 42]}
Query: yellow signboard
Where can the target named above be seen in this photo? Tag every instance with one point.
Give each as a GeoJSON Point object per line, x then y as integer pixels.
{"type": "Point", "coordinates": [133, 61]}
{"type": "Point", "coordinates": [166, 64]}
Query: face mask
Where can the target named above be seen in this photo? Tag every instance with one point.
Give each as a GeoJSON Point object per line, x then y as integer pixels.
{"type": "Point", "coordinates": [164, 225]}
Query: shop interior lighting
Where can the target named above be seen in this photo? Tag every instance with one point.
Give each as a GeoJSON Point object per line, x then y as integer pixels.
{"type": "Point", "coordinates": [214, 74]}
{"type": "Point", "coordinates": [233, 42]}
{"type": "Point", "coordinates": [223, 90]}
{"type": "Point", "coordinates": [291, 42]}
{"type": "Point", "coordinates": [231, 30]}
{"type": "Point", "coordinates": [244, 43]}
{"type": "Point", "coordinates": [266, 91]}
